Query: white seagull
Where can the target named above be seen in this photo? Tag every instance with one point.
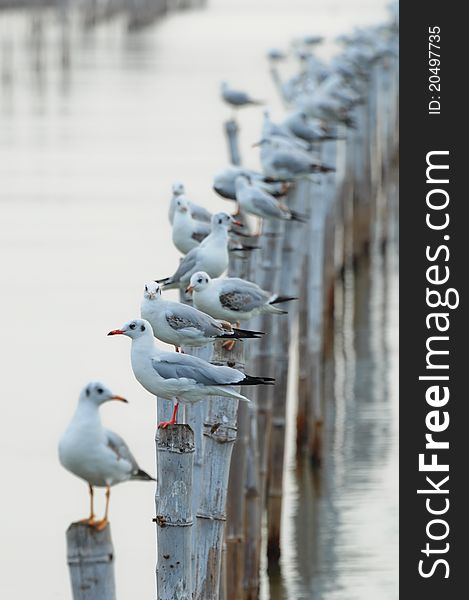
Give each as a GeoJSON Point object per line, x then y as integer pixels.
{"type": "Point", "coordinates": [182, 325]}
{"type": "Point", "coordinates": [176, 376]}
{"type": "Point", "coordinates": [286, 163]}
{"type": "Point", "coordinates": [211, 255]}
{"type": "Point", "coordinates": [232, 298]}
{"type": "Point", "coordinates": [199, 213]}
{"type": "Point", "coordinates": [254, 201]}
{"type": "Point", "coordinates": [224, 182]}
{"type": "Point", "coordinates": [95, 454]}
{"type": "Point", "coordinates": [237, 98]}
{"type": "Point", "coordinates": [187, 231]}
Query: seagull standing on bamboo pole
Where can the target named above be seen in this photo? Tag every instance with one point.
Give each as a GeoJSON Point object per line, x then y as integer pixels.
{"type": "Point", "coordinates": [95, 454]}
{"type": "Point", "coordinates": [256, 202]}
{"type": "Point", "coordinates": [280, 162]}
{"type": "Point", "coordinates": [237, 98]}
{"type": "Point", "coordinates": [179, 377]}
{"type": "Point", "coordinates": [211, 255]}
{"type": "Point", "coordinates": [199, 213]}
{"type": "Point", "coordinates": [232, 298]}
{"type": "Point", "coordinates": [224, 182]}
{"type": "Point", "coordinates": [182, 325]}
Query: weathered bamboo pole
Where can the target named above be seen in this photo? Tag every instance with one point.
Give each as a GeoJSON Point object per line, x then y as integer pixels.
{"type": "Point", "coordinates": [175, 448]}
{"type": "Point", "coordinates": [231, 132]}
{"type": "Point", "coordinates": [267, 276]}
{"type": "Point", "coordinates": [235, 507]}
{"type": "Point", "coordinates": [90, 557]}
{"type": "Point", "coordinates": [253, 503]}
{"type": "Point", "coordinates": [291, 261]}
{"type": "Point", "coordinates": [220, 435]}
{"type": "Point", "coordinates": [315, 278]}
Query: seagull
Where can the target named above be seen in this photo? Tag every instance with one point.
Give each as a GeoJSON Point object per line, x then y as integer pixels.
{"type": "Point", "coordinates": [211, 255]}
{"type": "Point", "coordinates": [237, 98]}
{"type": "Point", "coordinates": [95, 454]}
{"type": "Point", "coordinates": [199, 213]}
{"type": "Point", "coordinates": [187, 231]}
{"type": "Point", "coordinates": [179, 377]}
{"type": "Point", "coordinates": [286, 163]}
{"type": "Point", "coordinates": [309, 131]}
{"type": "Point", "coordinates": [232, 298]}
{"type": "Point", "coordinates": [224, 182]}
{"type": "Point", "coordinates": [254, 201]}
{"type": "Point", "coordinates": [275, 54]}
{"type": "Point", "coordinates": [182, 325]}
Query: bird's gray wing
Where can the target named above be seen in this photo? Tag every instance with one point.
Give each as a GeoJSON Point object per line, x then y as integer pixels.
{"type": "Point", "coordinates": [295, 164]}
{"type": "Point", "coordinates": [200, 213]}
{"type": "Point", "coordinates": [201, 231]}
{"type": "Point", "coordinates": [265, 203]}
{"type": "Point", "coordinates": [177, 366]}
{"type": "Point", "coordinates": [187, 317]}
{"type": "Point", "coordinates": [186, 265]}
{"type": "Point", "coordinates": [242, 296]}
{"type": "Point", "coordinates": [237, 97]}
{"type": "Point", "coordinates": [120, 449]}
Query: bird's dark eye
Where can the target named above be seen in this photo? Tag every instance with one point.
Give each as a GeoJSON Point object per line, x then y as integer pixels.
{"type": "Point", "coordinates": [142, 327]}
{"type": "Point", "coordinates": [100, 390]}
{"type": "Point", "coordinates": [220, 221]}
{"type": "Point", "coordinates": [199, 280]}
{"type": "Point", "coordinates": [146, 288]}
{"type": "Point", "coordinates": [132, 326]}
{"type": "Point", "coordinates": [87, 391]}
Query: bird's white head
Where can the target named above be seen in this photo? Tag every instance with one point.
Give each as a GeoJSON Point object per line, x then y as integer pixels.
{"type": "Point", "coordinates": [178, 188]}
{"type": "Point", "coordinates": [134, 329]}
{"type": "Point", "coordinates": [221, 220]}
{"type": "Point", "coordinates": [199, 281]}
{"type": "Point", "coordinates": [182, 204]}
{"type": "Point", "coordinates": [152, 291]}
{"type": "Point", "coordinates": [97, 393]}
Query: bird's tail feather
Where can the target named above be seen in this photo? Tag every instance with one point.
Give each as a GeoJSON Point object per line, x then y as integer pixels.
{"type": "Point", "coordinates": [142, 476]}
{"type": "Point", "coordinates": [298, 217]}
{"type": "Point", "coordinates": [251, 380]}
{"type": "Point", "coordinates": [280, 299]}
{"type": "Point", "coordinates": [239, 334]}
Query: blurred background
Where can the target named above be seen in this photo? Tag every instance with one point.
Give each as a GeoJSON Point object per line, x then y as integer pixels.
{"type": "Point", "coordinates": [103, 104]}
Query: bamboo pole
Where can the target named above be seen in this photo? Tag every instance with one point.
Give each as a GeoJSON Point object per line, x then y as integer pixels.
{"type": "Point", "coordinates": [231, 132]}
{"type": "Point", "coordinates": [267, 276]}
{"type": "Point", "coordinates": [90, 557]}
{"type": "Point", "coordinates": [220, 435]}
{"type": "Point", "coordinates": [291, 261]}
{"type": "Point", "coordinates": [175, 448]}
{"type": "Point", "coordinates": [233, 570]}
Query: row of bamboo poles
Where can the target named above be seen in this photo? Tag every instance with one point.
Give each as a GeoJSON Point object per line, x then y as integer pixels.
{"type": "Point", "coordinates": [220, 475]}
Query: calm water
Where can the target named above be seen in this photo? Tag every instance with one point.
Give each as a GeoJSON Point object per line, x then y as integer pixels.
{"type": "Point", "coordinates": [88, 152]}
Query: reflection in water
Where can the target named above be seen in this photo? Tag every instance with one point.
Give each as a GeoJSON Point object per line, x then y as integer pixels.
{"type": "Point", "coordinates": [94, 131]}
{"type": "Point", "coordinates": [340, 530]}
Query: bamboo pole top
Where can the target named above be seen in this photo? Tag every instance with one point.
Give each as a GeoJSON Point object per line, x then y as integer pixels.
{"type": "Point", "coordinates": [178, 437]}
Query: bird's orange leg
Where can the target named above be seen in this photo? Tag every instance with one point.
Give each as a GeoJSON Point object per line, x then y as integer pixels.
{"type": "Point", "coordinates": [90, 520]}
{"type": "Point", "coordinates": [173, 419]}
{"type": "Point", "coordinates": [229, 345]}
{"type": "Point", "coordinates": [100, 525]}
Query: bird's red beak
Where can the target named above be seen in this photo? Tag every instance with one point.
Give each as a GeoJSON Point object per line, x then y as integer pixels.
{"type": "Point", "coordinates": [116, 332]}
{"type": "Point", "coordinates": [238, 223]}
{"type": "Point", "coordinates": [189, 289]}
{"type": "Point", "coordinates": [120, 398]}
